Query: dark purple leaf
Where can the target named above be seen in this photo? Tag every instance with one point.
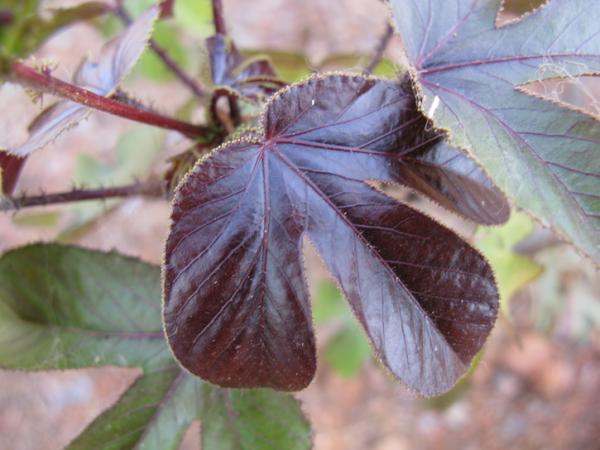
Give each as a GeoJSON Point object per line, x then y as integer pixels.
{"type": "Point", "coordinates": [230, 68]}
{"type": "Point", "coordinates": [236, 307]}
{"type": "Point", "coordinates": [455, 181]}
{"type": "Point", "coordinates": [472, 75]}
{"type": "Point", "coordinates": [10, 169]}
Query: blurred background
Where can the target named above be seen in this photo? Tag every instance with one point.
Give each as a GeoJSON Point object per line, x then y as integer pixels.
{"type": "Point", "coordinates": [536, 384]}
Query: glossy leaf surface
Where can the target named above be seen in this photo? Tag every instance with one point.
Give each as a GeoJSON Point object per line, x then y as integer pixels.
{"type": "Point", "coordinates": [236, 308]}
{"type": "Point", "coordinates": [471, 72]}
{"type": "Point", "coordinates": [102, 77]}
{"type": "Point", "coordinates": [65, 307]}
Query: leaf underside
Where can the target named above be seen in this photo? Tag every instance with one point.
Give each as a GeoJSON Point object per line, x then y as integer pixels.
{"type": "Point", "coordinates": [64, 307]}
{"type": "Point", "coordinates": [542, 154]}
{"type": "Point", "coordinates": [102, 77]}
{"type": "Point", "coordinates": [236, 307]}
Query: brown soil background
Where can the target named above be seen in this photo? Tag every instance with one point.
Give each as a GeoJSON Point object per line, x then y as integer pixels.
{"type": "Point", "coordinates": [537, 387]}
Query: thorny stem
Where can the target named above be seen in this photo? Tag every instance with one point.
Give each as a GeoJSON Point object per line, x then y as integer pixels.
{"type": "Point", "coordinates": [218, 17]}
{"type": "Point", "coordinates": [169, 62]}
{"type": "Point", "coordinates": [50, 85]}
{"type": "Point", "coordinates": [148, 189]}
{"type": "Point", "coordinates": [380, 49]}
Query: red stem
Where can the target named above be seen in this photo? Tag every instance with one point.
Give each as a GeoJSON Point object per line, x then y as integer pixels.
{"type": "Point", "coordinates": [48, 84]}
{"type": "Point", "coordinates": [218, 18]}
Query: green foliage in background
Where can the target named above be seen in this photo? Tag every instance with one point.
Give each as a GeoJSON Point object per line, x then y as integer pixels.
{"type": "Point", "coordinates": [348, 349]}
{"type": "Point", "coordinates": [65, 307]}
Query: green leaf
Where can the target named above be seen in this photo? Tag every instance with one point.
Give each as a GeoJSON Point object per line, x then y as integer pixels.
{"type": "Point", "coordinates": [194, 16]}
{"type": "Point", "coordinates": [124, 426]}
{"type": "Point", "coordinates": [329, 303]}
{"type": "Point", "coordinates": [513, 271]}
{"type": "Point", "coordinates": [233, 416]}
{"type": "Point", "coordinates": [151, 65]}
{"type": "Point", "coordinates": [348, 349]}
{"type": "Point", "coordinates": [66, 307]}
{"type": "Point", "coordinates": [29, 29]}
{"type": "Point", "coordinates": [471, 74]}
{"type": "Point", "coordinates": [37, 219]}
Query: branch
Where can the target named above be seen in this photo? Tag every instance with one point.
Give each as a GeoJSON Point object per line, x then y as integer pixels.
{"type": "Point", "coordinates": [147, 189]}
{"type": "Point", "coordinates": [169, 62]}
{"type": "Point", "coordinates": [218, 18]}
{"type": "Point", "coordinates": [379, 50]}
{"type": "Point", "coordinates": [50, 85]}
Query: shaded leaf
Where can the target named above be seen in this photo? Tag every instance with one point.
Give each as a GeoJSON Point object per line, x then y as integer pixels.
{"type": "Point", "coordinates": [236, 309]}
{"type": "Point", "coordinates": [471, 73]}
{"type": "Point", "coordinates": [102, 77]}
{"type": "Point", "coordinates": [455, 181]}
{"type": "Point", "coordinates": [66, 307]}
{"type": "Point", "coordinates": [513, 271]}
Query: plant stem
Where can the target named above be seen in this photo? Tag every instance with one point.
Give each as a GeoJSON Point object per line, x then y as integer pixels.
{"type": "Point", "coordinates": [169, 62]}
{"type": "Point", "coordinates": [50, 85]}
{"type": "Point", "coordinates": [379, 50]}
{"type": "Point", "coordinates": [218, 18]}
{"type": "Point", "coordinates": [148, 189]}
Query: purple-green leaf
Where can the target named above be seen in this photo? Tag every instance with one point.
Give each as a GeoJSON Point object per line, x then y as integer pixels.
{"type": "Point", "coordinates": [102, 77]}
{"type": "Point", "coordinates": [471, 73]}
{"type": "Point", "coordinates": [236, 308]}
